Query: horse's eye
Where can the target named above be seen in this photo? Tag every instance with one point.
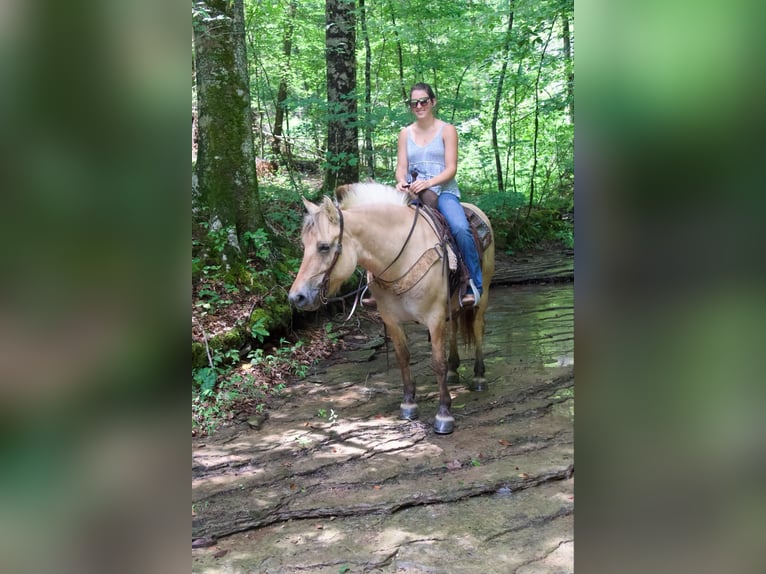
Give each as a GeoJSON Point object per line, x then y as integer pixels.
{"type": "Point", "coordinates": [323, 247]}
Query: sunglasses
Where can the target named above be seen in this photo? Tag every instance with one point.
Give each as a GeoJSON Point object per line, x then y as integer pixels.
{"type": "Point", "coordinates": [421, 102]}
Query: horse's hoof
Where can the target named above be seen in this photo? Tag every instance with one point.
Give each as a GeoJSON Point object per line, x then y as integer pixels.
{"type": "Point", "coordinates": [444, 424]}
{"type": "Point", "coordinates": [408, 411]}
{"type": "Point", "coordinates": [479, 384]}
{"type": "Point", "coordinates": [452, 378]}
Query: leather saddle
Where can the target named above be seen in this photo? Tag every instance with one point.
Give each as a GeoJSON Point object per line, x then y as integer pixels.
{"type": "Point", "coordinates": [482, 236]}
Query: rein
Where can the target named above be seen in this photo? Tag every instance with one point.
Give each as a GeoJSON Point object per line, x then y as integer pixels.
{"type": "Point", "coordinates": [326, 279]}
{"type": "Point", "coordinates": [406, 241]}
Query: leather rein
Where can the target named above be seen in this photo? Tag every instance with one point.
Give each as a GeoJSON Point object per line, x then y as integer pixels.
{"type": "Point", "coordinates": [339, 248]}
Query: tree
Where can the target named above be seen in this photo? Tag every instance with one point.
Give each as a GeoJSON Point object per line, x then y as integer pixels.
{"type": "Point", "coordinates": [225, 170]}
{"type": "Point", "coordinates": [368, 149]}
{"type": "Point", "coordinates": [566, 37]}
{"type": "Point", "coordinates": [498, 98]}
{"type": "Point", "coordinates": [342, 132]}
{"type": "Point", "coordinates": [287, 48]}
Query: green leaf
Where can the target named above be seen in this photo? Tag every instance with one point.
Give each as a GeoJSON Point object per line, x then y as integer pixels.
{"type": "Point", "coordinates": [206, 378]}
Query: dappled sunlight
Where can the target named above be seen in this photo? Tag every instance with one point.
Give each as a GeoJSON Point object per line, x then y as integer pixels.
{"type": "Point", "coordinates": [334, 479]}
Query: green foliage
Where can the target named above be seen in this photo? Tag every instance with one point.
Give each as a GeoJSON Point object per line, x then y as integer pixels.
{"type": "Point", "coordinates": [542, 228]}
{"type": "Point", "coordinates": [257, 329]}
{"type": "Point", "coordinates": [332, 418]}
{"type": "Point", "coordinates": [331, 335]}
{"type": "Point", "coordinates": [535, 89]}
{"type": "Point", "coordinates": [218, 389]}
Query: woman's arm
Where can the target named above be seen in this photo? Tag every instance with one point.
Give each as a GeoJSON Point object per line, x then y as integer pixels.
{"type": "Point", "coordinates": [402, 163]}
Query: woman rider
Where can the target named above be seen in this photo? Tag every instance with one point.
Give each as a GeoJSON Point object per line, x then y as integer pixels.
{"type": "Point", "coordinates": [427, 149]}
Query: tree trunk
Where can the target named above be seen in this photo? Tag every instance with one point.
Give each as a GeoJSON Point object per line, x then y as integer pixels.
{"type": "Point", "coordinates": [368, 151]}
{"type": "Point", "coordinates": [498, 98]}
{"type": "Point", "coordinates": [537, 120]}
{"type": "Point", "coordinates": [225, 168]}
{"type": "Point", "coordinates": [342, 154]}
{"type": "Point", "coordinates": [287, 48]}
{"type": "Point", "coordinates": [569, 67]}
{"type": "Point", "coordinates": [400, 58]}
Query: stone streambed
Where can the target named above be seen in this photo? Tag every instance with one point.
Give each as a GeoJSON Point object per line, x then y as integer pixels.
{"type": "Point", "coordinates": [333, 482]}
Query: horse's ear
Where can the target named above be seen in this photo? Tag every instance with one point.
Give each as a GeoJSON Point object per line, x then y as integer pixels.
{"type": "Point", "coordinates": [329, 209]}
{"type": "Point", "coordinates": [312, 208]}
{"type": "Point", "coordinates": [341, 191]}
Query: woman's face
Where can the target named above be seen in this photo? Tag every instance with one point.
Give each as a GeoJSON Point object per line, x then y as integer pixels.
{"type": "Point", "coordinates": [421, 103]}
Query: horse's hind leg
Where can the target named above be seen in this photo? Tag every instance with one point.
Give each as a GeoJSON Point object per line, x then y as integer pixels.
{"type": "Point", "coordinates": [479, 381]}
{"type": "Point", "coordinates": [453, 362]}
{"type": "Point", "coordinates": [444, 423]}
{"type": "Point", "coordinates": [408, 409]}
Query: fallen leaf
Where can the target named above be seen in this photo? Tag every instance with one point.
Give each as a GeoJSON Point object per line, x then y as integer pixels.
{"type": "Point", "coordinates": [504, 442]}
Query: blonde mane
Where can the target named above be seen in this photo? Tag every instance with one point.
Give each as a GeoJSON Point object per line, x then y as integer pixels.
{"type": "Point", "coordinates": [355, 194]}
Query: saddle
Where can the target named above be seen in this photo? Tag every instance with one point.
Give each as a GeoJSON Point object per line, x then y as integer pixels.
{"type": "Point", "coordinates": [482, 236]}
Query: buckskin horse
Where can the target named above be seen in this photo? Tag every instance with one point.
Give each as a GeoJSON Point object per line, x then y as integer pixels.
{"type": "Point", "coordinates": [374, 226]}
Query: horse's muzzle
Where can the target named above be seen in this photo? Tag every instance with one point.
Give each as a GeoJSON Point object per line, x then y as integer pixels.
{"type": "Point", "coordinates": [305, 299]}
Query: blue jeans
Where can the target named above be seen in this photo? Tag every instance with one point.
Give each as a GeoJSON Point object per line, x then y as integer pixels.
{"type": "Point", "coordinates": [452, 210]}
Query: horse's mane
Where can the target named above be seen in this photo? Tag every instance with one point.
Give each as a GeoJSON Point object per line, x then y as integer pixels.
{"type": "Point", "coordinates": [355, 194]}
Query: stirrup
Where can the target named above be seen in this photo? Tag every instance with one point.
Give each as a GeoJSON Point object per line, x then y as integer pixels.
{"type": "Point", "coordinates": [471, 299]}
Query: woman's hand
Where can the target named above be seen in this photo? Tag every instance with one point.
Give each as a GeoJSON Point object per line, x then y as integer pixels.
{"type": "Point", "coordinates": [419, 185]}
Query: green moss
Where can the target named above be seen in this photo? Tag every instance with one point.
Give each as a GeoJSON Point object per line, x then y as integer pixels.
{"type": "Point", "coordinates": [199, 356]}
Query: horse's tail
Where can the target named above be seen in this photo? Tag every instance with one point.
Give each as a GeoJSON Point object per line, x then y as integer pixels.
{"type": "Point", "coordinates": [467, 318]}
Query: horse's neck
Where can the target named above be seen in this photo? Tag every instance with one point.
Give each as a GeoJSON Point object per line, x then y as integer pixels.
{"type": "Point", "coordinates": [380, 235]}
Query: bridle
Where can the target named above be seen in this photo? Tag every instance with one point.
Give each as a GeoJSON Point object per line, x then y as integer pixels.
{"type": "Point", "coordinates": [338, 249]}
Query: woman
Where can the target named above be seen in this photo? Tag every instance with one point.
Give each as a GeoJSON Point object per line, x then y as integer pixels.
{"type": "Point", "coordinates": [427, 159]}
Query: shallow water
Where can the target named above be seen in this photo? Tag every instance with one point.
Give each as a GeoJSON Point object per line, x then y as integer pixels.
{"type": "Point", "coordinates": [377, 494]}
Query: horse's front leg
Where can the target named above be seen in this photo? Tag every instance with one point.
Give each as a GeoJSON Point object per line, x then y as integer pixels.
{"type": "Point", "coordinates": [444, 423]}
{"type": "Point", "coordinates": [408, 409]}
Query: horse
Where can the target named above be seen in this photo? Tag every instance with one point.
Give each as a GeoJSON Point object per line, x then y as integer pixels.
{"type": "Point", "coordinates": [375, 226]}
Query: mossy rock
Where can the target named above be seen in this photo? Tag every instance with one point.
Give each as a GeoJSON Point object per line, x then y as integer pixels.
{"type": "Point", "coordinates": [232, 339]}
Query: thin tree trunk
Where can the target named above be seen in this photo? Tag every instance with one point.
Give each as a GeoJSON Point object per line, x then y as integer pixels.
{"type": "Point", "coordinates": [514, 113]}
{"type": "Point", "coordinates": [566, 36]}
{"type": "Point", "coordinates": [537, 120]}
{"type": "Point", "coordinates": [457, 91]}
{"type": "Point", "coordinates": [398, 52]}
{"type": "Point", "coordinates": [287, 48]}
{"type": "Point", "coordinates": [368, 151]}
{"type": "Point", "coordinates": [499, 97]}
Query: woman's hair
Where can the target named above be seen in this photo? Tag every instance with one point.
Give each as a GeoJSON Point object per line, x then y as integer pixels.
{"type": "Point", "coordinates": [425, 87]}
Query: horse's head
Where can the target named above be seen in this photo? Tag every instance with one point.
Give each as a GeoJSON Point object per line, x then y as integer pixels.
{"type": "Point", "coordinates": [326, 265]}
